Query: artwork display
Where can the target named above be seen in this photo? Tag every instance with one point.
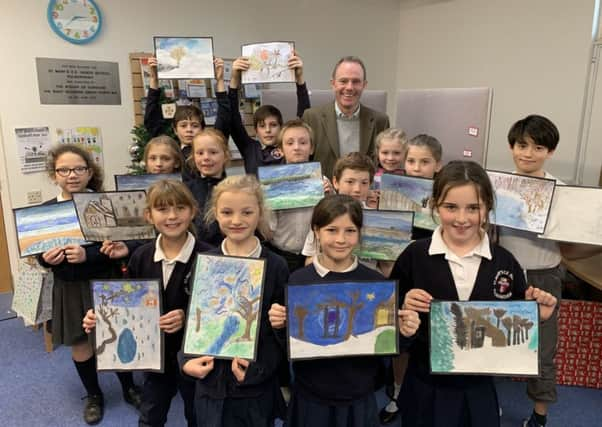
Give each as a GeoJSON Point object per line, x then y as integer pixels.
{"type": "Point", "coordinates": [408, 193]}
{"type": "Point", "coordinates": [113, 215]}
{"type": "Point", "coordinates": [32, 298]}
{"type": "Point", "coordinates": [43, 227]}
{"type": "Point", "coordinates": [87, 137]}
{"type": "Point", "coordinates": [484, 337]}
{"type": "Point", "coordinates": [142, 182]}
{"type": "Point", "coordinates": [184, 57]}
{"type": "Point", "coordinates": [127, 333]}
{"type": "Point", "coordinates": [209, 109]}
{"type": "Point", "coordinates": [225, 307]}
{"type": "Point", "coordinates": [570, 203]}
{"type": "Point", "coordinates": [342, 319]}
{"type": "Point", "coordinates": [385, 234]}
{"type": "Point", "coordinates": [268, 62]}
{"type": "Point", "coordinates": [521, 202]}
{"type": "Point", "coordinates": [295, 185]}
{"type": "Point", "coordinates": [145, 72]}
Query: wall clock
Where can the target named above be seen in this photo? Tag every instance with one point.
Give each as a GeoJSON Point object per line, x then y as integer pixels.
{"type": "Point", "coordinates": [77, 21]}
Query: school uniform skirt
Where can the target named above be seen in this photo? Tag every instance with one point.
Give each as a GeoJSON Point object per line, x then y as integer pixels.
{"type": "Point", "coordinates": [70, 302]}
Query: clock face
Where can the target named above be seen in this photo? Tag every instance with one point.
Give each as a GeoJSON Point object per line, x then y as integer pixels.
{"type": "Point", "coordinates": [77, 21]}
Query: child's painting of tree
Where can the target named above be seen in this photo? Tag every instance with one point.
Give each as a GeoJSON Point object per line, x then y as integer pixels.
{"type": "Point", "coordinates": [268, 62]}
{"type": "Point", "coordinates": [225, 305]}
{"type": "Point", "coordinates": [484, 337]}
{"type": "Point", "coordinates": [184, 57]}
{"type": "Point", "coordinates": [342, 319]}
{"type": "Point", "coordinates": [127, 333]}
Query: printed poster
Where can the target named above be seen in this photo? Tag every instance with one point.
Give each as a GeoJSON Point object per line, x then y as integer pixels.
{"type": "Point", "coordinates": [32, 146]}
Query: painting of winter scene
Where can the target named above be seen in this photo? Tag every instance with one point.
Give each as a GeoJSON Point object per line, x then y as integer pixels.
{"type": "Point", "coordinates": [43, 227]}
{"type": "Point", "coordinates": [521, 202]}
{"type": "Point", "coordinates": [224, 308]}
{"type": "Point", "coordinates": [569, 203]}
{"type": "Point", "coordinates": [268, 62]}
{"type": "Point", "coordinates": [385, 234]}
{"type": "Point", "coordinates": [408, 193]}
{"type": "Point", "coordinates": [484, 337]}
{"type": "Point", "coordinates": [184, 57]}
{"type": "Point", "coordinates": [342, 319]}
{"type": "Point", "coordinates": [113, 215]}
{"type": "Point", "coordinates": [142, 182]}
{"type": "Point", "coordinates": [127, 325]}
{"type": "Point", "coordinates": [296, 185]}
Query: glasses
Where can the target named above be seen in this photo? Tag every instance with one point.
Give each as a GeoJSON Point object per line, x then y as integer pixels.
{"type": "Point", "coordinates": [78, 171]}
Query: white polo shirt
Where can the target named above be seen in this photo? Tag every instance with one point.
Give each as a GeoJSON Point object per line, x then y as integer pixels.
{"type": "Point", "coordinates": [167, 265]}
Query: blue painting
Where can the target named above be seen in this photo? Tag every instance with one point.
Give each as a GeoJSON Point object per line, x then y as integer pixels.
{"type": "Point", "coordinates": [184, 57]}
{"type": "Point", "coordinates": [521, 202]}
{"type": "Point", "coordinates": [142, 182]}
{"type": "Point", "coordinates": [385, 234]}
{"type": "Point", "coordinates": [295, 185]}
{"type": "Point", "coordinates": [484, 337]}
{"type": "Point", "coordinates": [225, 307]}
{"type": "Point", "coordinates": [408, 193]}
{"type": "Point", "coordinates": [342, 319]}
{"type": "Point", "coordinates": [44, 227]}
{"type": "Point", "coordinates": [127, 330]}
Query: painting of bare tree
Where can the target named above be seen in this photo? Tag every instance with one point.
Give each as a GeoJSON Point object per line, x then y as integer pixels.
{"type": "Point", "coordinates": [184, 57]}
{"type": "Point", "coordinates": [268, 62]}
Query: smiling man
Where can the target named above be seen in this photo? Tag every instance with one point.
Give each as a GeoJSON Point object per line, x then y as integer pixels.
{"type": "Point", "coordinates": [345, 125]}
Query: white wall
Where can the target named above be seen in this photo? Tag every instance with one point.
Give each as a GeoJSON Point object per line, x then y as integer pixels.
{"type": "Point", "coordinates": [323, 32]}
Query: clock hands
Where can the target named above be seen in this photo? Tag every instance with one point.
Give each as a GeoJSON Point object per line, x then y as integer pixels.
{"type": "Point", "coordinates": [74, 19]}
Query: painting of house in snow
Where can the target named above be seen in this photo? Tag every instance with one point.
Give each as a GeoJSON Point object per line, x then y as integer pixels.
{"type": "Point", "coordinates": [225, 307]}
{"type": "Point", "coordinates": [521, 202]}
{"type": "Point", "coordinates": [408, 193]}
{"type": "Point", "coordinates": [113, 215]}
{"type": "Point", "coordinates": [342, 319]}
{"type": "Point", "coordinates": [127, 325]}
{"type": "Point", "coordinates": [484, 337]}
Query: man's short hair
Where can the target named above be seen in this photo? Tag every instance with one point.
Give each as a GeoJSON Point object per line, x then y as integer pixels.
{"type": "Point", "coordinates": [355, 59]}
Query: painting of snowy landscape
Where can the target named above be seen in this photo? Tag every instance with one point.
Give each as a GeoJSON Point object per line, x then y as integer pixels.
{"type": "Point", "coordinates": [127, 325]}
{"type": "Point", "coordinates": [225, 305]}
{"type": "Point", "coordinates": [296, 185]}
{"type": "Point", "coordinates": [408, 193]}
{"type": "Point", "coordinates": [385, 234]}
{"type": "Point", "coordinates": [184, 57]}
{"type": "Point", "coordinates": [569, 203]}
{"type": "Point", "coordinates": [268, 62]}
{"type": "Point", "coordinates": [43, 227]}
{"type": "Point", "coordinates": [342, 319]}
{"type": "Point", "coordinates": [142, 182]}
{"type": "Point", "coordinates": [484, 337]}
{"type": "Point", "coordinates": [521, 202]}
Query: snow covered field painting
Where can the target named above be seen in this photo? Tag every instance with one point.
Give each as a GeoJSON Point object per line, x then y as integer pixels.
{"type": "Point", "coordinates": [184, 57]}
{"type": "Point", "coordinates": [342, 319]}
{"type": "Point", "coordinates": [224, 312]}
{"type": "Point", "coordinates": [127, 325]}
{"type": "Point", "coordinates": [142, 182]}
{"type": "Point", "coordinates": [521, 202]}
{"type": "Point", "coordinates": [385, 234]}
{"type": "Point", "coordinates": [296, 185]}
{"type": "Point", "coordinates": [484, 337]}
{"type": "Point", "coordinates": [408, 193]}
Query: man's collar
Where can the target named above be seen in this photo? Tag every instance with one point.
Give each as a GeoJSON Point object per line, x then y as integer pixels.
{"type": "Point", "coordinates": [341, 115]}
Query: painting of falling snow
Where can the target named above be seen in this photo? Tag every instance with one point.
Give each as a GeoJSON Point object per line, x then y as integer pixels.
{"type": "Point", "coordinates": [342, 319]}
{"type": "Point", "coordinates": [127, 334]}
{"type": "Point", "coordinates": [484, 337]}
{"type": "Point", "coordinates": [184, 57]}
{"type": "Point", "coordinates": [408, 193]}
{"type": "Point", "coordinates": [224, 308]}
{"type": "Point", "coordinates": [521, 202]}
{"type": "Point", "coordinates": [269, 62]}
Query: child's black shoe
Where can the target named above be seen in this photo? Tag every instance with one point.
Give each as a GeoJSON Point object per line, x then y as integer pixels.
{"type": "Point", "coordinates": [94, 409]}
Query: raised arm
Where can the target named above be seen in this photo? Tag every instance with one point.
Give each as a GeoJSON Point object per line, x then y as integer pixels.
{"type": "Point", "coordinates": [153, 117]}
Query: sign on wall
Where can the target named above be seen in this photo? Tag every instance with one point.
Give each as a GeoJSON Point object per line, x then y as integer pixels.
{"type": "Point", "coordinates": [67, 81]}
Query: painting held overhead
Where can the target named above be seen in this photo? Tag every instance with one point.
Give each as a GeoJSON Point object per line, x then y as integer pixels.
{"type": "Point", "coordinates": [184, 57]}
{"type": "Point", "coordinates": [268, 62]}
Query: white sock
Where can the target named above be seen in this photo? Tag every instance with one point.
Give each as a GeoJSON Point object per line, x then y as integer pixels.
{"type": "Point", "coordinates": [396, 390]}
{"type": "Point", "coordinates": [391, 407]}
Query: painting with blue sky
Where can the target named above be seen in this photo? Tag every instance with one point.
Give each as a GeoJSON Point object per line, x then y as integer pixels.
{"type": "Point", "coordinates": [342, 319]}
{"type": "Point", "coordinates": [484, 337]}
{"type": "Point", "coordinates": [408, 193]}
{"type": "Point", "coordinates": [184, 57]}
{"type": "Point", "coordinates": [295, 185]}
{"type": "Point", "coordinates": [385, 234]}
{"type": "Point", "coordinates": [142, 182]}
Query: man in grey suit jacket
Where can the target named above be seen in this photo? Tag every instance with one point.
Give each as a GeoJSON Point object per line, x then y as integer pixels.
{"type": "Point", "coordinates": [344, 125]}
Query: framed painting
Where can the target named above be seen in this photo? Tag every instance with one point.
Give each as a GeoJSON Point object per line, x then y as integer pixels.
{"type": "Point", "coordinates": [521, 202]}
{"type": "Point", "coordinates": [570, 203]}
{"type": "Point", "coordinates": [127, 333]}
{"type": "Point", "coordinates": [225, 307]}
{"type": "Point", "coordinates": [184, 57]}
{"type": "Point", "coordinates": [268, 62]}
{"type": "Point", "coordinates": [32, 297]}
{"type": "Point", "coordinates": [385, 234]}
{"type": "Point", "coordinates": [484, 337]}
{"type": "Point", "coordinates": [113, 215]}
{"type": "Point", "coordinates": [295, 185]}
{"type": "Point", "coordinates": [341, 319]}
{"type": "Point", "coordinates": [43, 227]}
{"type": "Point", "coordinates": [142, 182]}
{"type": "Point", "coordinates": [408, 193]}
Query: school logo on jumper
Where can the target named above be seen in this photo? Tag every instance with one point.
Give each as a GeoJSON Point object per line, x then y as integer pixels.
{"type": "Point", "coordinates": [502, 285]}
{"type": "Point", "coordinates": [276, 153]}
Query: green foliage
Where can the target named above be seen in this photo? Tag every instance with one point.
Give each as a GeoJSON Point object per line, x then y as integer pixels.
{"type": "Point", "coordinates": [385, 342]}
{"type": "Point", "coordinates": [442, 357]}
